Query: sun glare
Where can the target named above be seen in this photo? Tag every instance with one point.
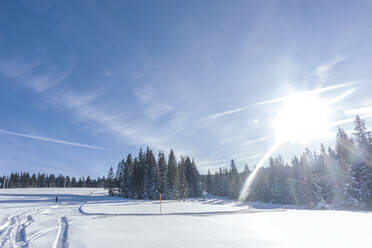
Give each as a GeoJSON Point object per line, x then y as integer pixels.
{"type": "Point", "coordinates": [302, 118]}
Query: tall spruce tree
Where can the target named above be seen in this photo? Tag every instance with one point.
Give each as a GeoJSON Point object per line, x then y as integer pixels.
{"type": "Point", "coordinates": [171, 176]}
{"type": "Point", "coordinates": [110, 179]}
{"type": "Point", "coordinates": [181, 181]}
{"type": "Point", "coordinates": [162, 176]}
{"type": "Point", "coordinates": [125, 181]}
{"type": "Point", "coordinates": [151, 176]}
{"type": "Point", "coordinates": [235, 181]}
{"type": "Point", "coordinates": [210, 186]}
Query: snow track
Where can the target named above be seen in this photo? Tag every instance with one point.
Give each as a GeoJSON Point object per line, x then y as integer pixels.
{"type": "Point", "coordinates": [180, 213]}
{"type": "Point", "coordinates": [13, 231]}
{"type": "Point", "coordinates": [41, 233]}
{"type": "Point", "coordinates": [62, 237]}
{"type": "Point", "coordinates": [30, 218]}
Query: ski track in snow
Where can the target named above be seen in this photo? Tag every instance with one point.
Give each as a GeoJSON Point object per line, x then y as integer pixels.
{"type": "Point", "coordinates": [206, 213]}
{"type": "Point", "coordinates": [41, 233]}
{"type": "Point", "coordinates": [13, 231]}
{"type": "Point", "coordinates": [13, 227]}
{"type": "Point", "coordinates": [62, 236]}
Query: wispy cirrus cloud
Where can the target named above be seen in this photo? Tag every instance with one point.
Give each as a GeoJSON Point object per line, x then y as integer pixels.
{"type": "Point", "coordinates": [134, 132]}
{"type": "Point", "coordinates": [58, 141]}
{"type": "Point", "coordinates": [280, 99]}
{"type": "Point", "coordinates": [224, 163]}
{"type": "Point", "coordinates": [138, 132]}
{"type": "Point", "coordinates": [255, 141]}
{"type": "Point", "coordinates": [16, 68]}
{"type": "Point", "coordinates": [322, 71]}
{"type": "Point", "coordinates": [359, 111]}
{"type": "Point", "coordinates": [24, 72]}
{"type": "Point", "coordinates": [342, 96]}
{"type": "Point", "coordinates": [348, 120]}
{"type": "Point", "coordinates": [153, 107]}
{"type": "Point", "coordinates": [41, 83]}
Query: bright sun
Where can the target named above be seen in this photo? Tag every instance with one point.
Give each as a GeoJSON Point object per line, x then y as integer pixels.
{"type": "Point", "coordinates": [301, 119]}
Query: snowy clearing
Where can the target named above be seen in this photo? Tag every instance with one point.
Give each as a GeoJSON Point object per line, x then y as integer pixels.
{"type": "Point", "coordinates": [90, 218]}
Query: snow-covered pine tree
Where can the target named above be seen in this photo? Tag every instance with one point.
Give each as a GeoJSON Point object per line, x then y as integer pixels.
{"type": "Point", "coordinates": [151, 176]}
{"type": "Point", "coordinates": [137, 178]}
{"type": "Point", "coordinates": [125, 185]}
{"type": "Point", "coordinates": [162, 176]}
{"type": "Point", "coordinates": [119, 175]}
{"type": "Point", "coordinates": [357, 162]}
{"type": "Point", "coordinates": [360, 136]}
{"type": "Point", "coordinates": [181, 182]}
{"type": "Point", "coordinates": [171, 176]}
{"type": "Point", "coordinates": [362, 164]}
{"type": "Point", "coordinates": [197, 179]}
{"type": "Point", "coordinates": [367, 174]}
{"type": "Point", "coordinates": [235, 181]}
{"type": "Point", "coordinates": [343, 157]}
{"type": "Point", "coordinates": [322, 177]}
{"type": "Point", "coordinates": [312, 191]}
{"type": "Point", "coordinates": [192, 178]}
{"type": "Point", "coordinates": [110, 179]}
{"type": "Point", "coordinates": [210, 185]}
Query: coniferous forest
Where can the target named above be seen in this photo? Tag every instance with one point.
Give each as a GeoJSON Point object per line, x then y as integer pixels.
{"type": "Point", "coordinates": [339, 177]}
{"type": "Point", "coordinates": [334, 177]}
{"type": "Point", "coordinates": [42, 180]}
{"type": "Point", "coordinates": [145, 177]}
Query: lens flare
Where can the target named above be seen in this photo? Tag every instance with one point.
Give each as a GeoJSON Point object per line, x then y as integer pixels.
{"type": "Point", "coordinates": [301, 119]}
{"type": "Point", "coordinates": [248, 182]}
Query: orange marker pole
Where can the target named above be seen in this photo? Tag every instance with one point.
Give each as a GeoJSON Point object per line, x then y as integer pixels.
{"type": "Point", "coordinates": [160, 203]}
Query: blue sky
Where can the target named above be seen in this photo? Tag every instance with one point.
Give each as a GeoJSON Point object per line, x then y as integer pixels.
{"type": "Point", "coordinates": [83, 83]}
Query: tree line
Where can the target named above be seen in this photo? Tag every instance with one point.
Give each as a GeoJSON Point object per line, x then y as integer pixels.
{"type": "Point", "coordinates": [42, 180]}
{"type": "Point", "coordinates": [339, 177]}
{"type": "Point", "coordinates": [145, 177]}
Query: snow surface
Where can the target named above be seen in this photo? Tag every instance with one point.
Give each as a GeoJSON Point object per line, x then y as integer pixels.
{"type": "Point", "coordinates": [91, 218]}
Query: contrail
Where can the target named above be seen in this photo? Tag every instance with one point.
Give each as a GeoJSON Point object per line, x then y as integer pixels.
{"type": "Point", "coordinates": [251, 142]}
{"type": "Point", "coordinates": [227, 163]}
{"type": "Point", "coordinates": [342, 96]}
{"type": "Point", "coordinates": [359, 111]}
{"type": "Point", "coordinates": [308, 92]}
{"type": "Point", "coordinates": [349, 120]}
{"type": "Point", "coordinates": [53, 140]}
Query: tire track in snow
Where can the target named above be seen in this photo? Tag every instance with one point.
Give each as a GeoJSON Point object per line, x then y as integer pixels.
{"type": "Point", "coordinates": [62, 236]}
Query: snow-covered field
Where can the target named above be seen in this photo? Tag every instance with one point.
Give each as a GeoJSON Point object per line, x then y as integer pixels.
{"type": "Point", "coordinates": [90, 218]}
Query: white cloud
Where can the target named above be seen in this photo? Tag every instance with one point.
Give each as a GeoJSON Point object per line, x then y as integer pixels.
{"type": "Point", "coordinates": [349, 120]}
{"type": "Point", "coordinates": [64, 142]}
{"type": "Point", "coordinates": [17, 68]}
{"type": "Point", "coordinates": [322, 71]}
{"type": "Point", "coordinates": [359, 111]}
{"type": "Point", "coordinates": [342, 96]}
{"type": "Point", "coordinates": [43, 82]}
{"type": "Point", "coordinates": [153, 107]}
{"type": "Point", "coordinates": [280, 99]}
{"type": "Point", "coordinates": [109, 73]}
{"type": "Point", "coordinates": [23, 72]}
{"type": "Point", "coordinates": [254, 141]}
{"type": "Point", "coordinates": [137, 133]}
